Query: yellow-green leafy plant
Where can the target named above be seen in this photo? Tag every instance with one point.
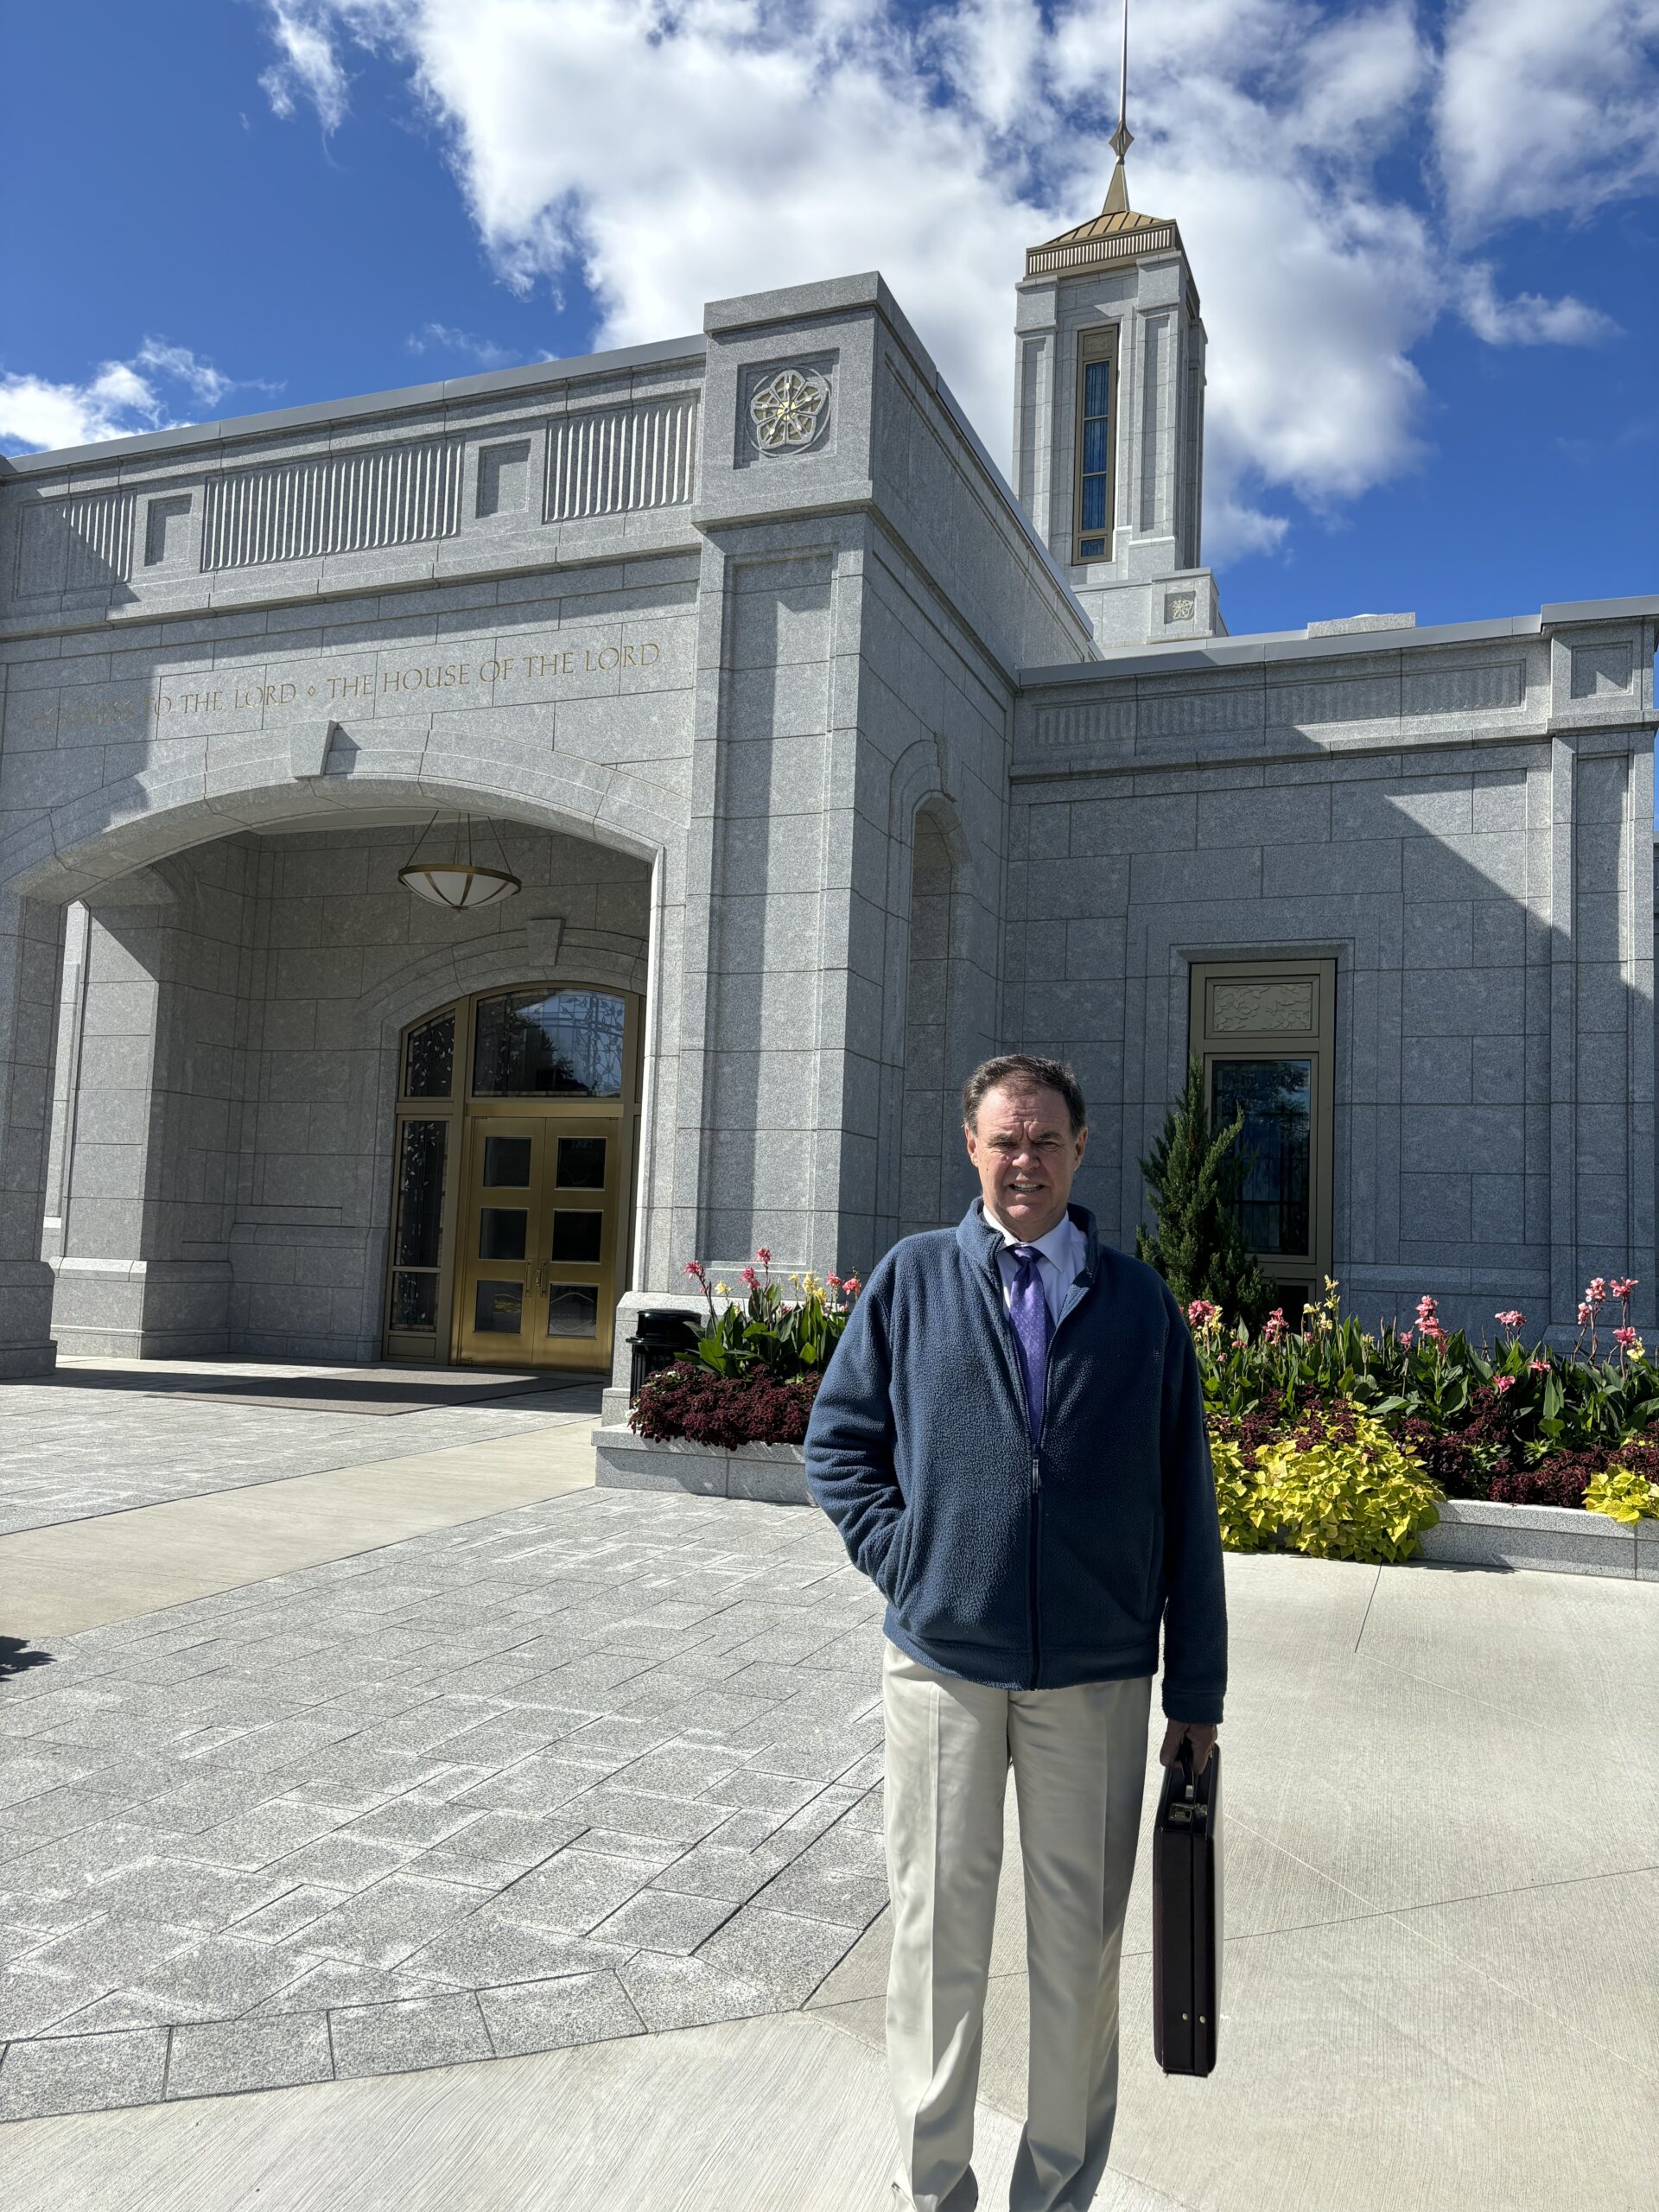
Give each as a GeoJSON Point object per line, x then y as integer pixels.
{"type": "Point", "coordinates": [1623, 1495]}
{"type": "Point", "coordinates": [1338, 1487]}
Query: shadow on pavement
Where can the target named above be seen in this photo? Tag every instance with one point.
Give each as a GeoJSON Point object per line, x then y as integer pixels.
{"type": "Point", "coordinates": [346, 1392]}
{"type": "Point", "coordinates": [17, 1655]}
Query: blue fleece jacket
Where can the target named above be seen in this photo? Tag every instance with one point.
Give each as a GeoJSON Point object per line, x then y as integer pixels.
{"type": "Point", "coordinates": [1027, 1567]}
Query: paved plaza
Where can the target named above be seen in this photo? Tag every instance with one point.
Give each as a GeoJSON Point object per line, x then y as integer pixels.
{"type": "Point", "coordinates": [534, 1857]}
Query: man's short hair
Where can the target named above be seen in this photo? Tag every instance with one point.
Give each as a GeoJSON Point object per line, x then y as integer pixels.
{"type": "Point", "coordinates": [1023, 1071]}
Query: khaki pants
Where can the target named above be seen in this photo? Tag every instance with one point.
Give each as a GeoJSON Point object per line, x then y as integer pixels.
{"type": "Point", "coordinates": [1079, 1765]}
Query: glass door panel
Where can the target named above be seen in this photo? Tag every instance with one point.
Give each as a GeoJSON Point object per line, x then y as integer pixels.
{"type": "Point", "coordinates": [498, 1248]}
{"type": "Point", "coordinates": [583, 1238]}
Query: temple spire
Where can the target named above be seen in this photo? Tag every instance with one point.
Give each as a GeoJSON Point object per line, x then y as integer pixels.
{"type": "Point", "coordinates": [1117, 192]}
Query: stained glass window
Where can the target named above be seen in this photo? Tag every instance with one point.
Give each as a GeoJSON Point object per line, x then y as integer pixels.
{"type": "Point", "coordinates": [429, 1058]}
{"type": "Point", "coordinates": [1094, 459]}
{"type": "Point", "coordinates": [1276, 1097]}
{"type": "Point", "coordinates": [418, 1232]}
{"type": "Point", "coordinates": [415, 1302]}
{"type": "Point", "coordinates": [565, 1044]}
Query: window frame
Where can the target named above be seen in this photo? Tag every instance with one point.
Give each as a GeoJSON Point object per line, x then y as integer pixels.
{"type": "Point", "coordinates": [1212, 1045]}
{"type": "Point", "coordinates": [1095, 347]}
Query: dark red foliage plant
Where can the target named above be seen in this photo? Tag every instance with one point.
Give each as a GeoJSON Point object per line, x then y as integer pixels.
{"type": "Point", "coordinates": [1562, 1479]}
{"type": "Point", "coordinates": [690, 1400]}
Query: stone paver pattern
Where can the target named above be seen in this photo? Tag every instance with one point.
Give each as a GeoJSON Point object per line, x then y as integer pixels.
{"type": "Point", "coordinates": [71, 1450]}
{"type": "Point", "coordinates": [591, 1768]}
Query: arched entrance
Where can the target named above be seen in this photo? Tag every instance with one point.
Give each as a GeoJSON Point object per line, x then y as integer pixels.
{"type": "Point", "coordinates": [514, 1170]}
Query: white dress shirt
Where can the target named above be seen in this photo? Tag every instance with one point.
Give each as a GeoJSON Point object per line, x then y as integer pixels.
{"type": "Point", "coordinates": [1060, 1258]}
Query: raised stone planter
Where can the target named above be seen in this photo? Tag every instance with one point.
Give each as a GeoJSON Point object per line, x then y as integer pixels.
{"type": "Point", "coordinates": [1565, 1539]}
{"type": "Point", "coordinates": [1562, 1539]}
{"type": "Point", "coordinates": [773, 1473]}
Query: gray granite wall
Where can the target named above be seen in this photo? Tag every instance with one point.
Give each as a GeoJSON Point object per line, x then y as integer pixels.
{"type": "Point", "coordinates": [1484, 884]}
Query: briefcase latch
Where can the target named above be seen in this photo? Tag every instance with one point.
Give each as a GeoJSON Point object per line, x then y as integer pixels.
{"type": "Point", "coordinates": [1187, 1816]}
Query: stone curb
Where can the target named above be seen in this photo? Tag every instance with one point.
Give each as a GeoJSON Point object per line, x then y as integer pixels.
{"type": "Point", "coordinates": [1472, 1532]}
{"type": "Point", "coordinates": [1561, 1539]}
{"type": "Point", "coordinates": [770, 1474]}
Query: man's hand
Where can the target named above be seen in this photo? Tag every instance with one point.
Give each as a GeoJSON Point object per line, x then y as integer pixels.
{"type": "Point", "coordinates": [1203, 1742]}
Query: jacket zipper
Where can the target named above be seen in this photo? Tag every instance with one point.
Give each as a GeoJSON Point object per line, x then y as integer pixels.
{"type": "Point", "coordinates": [1034, 1494]}
{"type": "Point", "coordinates": [1037, 1495]}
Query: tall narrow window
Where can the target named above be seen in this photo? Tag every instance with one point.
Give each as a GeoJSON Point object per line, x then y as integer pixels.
{"type": "Point", "coordinates": [1266, 1032]}
{"type": "Point", "coordinates": [1097, 443]}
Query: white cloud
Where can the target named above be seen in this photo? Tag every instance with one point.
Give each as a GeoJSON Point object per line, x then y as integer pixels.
{"type": "Point", "coordinates": [118, 400]}
{"type": "Point", "coordinates": [1529, 318]}
{"type": "Point", "coordinates": [1547, 107]}
{"type": "Point", "coordinates": [443, 338]}
{"type": "Point", "coordinates": [677, 153]}
{"type": "Point", "coordinates": [306, 68]}
{"type": "Point", "coordinates": [201, 378]}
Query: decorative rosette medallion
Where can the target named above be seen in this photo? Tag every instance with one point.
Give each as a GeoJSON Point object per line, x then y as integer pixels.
{"type": "Point", "coordinates": [788, 411]}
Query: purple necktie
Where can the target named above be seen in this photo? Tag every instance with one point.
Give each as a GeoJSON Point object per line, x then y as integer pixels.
{"type": "Point", "coordinates": [1033, 1327]}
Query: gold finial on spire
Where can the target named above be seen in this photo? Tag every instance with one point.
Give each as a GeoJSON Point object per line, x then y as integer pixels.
{"type": "Point", "coordinates": [1117, 192]}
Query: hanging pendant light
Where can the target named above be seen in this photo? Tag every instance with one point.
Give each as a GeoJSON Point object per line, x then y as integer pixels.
{"type": "Point", "coordinates": [459, 884]}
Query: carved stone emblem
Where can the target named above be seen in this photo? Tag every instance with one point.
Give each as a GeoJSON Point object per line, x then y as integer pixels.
{"type": "Point", "coordinates": [788, 410]}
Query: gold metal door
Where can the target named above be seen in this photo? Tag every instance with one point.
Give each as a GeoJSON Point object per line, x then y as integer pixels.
{"type": "Point", "coordinates": [540, 1217]}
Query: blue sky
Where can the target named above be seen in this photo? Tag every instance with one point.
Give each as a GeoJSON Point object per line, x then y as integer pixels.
{"type": "Point", "coordinates": [1427, 237]}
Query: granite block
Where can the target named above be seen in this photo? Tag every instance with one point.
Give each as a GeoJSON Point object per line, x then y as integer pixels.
{"type": "Point", "coordinates": [574, 1891]}
{"type": "Point", "coordinates": [552, 2015]}
{"type": "Point", "coordinates": [665, 1920]}
{"type": "Point", "coordinates": [491, 1947]}
{"type": "Point", "coordinates": [32, 2002]}
{"type": "Point", "coordinates": [675, 1992]}
{"type": "Point", "coordinates": [220, 2057]}
{"type": "Point", "coordinates": [403, 2036]}
{"type": "Point", "coordinates": [382, 1926]}
{"type": "Point", "coordinates": [782, 1951]}
{"type": "Point", "coordinates": [83, 2073]}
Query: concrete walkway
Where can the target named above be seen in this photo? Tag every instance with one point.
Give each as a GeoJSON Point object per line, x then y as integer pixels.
{"type": "Point", "coordinates": [498, 1840]}
{"type": "Point", "coordinates": [768, 2115]}
{"type": "Point", "coordinates": [116, 1567]}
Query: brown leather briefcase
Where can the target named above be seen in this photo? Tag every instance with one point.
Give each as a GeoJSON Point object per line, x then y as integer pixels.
{"type": "Point", "coordinates": [1186, 1916]}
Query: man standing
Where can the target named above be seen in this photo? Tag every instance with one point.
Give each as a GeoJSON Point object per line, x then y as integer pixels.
{"type": "Point", "coordinates": [1010, 1440]}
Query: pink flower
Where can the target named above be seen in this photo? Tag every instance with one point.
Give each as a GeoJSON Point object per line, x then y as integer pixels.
{"type": "Point", "coordinates": [1622, 1286]}
{"type": "Point", "coordinates": [763, 1255]}
{"type": "Point", "coordinates": [1503, 1383]}
{"type": "Point", "coordinates": [1201, 1315]}
{"type": "Point", "coordinates": [1587, 1315]}
{"type": "Point", "coordinates": [1273, 1328]}
{"type": "Point", "coordinates": [1405, 1339]}
{"type": "Point", "coordinates": [1512, 1318]}
{"type": "Point", "coordinates": [695, 1269]}
{"type": "Point", "coordinates": [1597, 1293]}
{"type": "Point", "coordinates": [1538, 1366]}
{"type": "Point", "coordinates": [852, 1286]}
{"type": "Point", "coordinates": [834, 1281]}
{"type": "Point", "coordinates": [750, 1279]}
{"type": "Point", "coordinates": [1626, 1339]}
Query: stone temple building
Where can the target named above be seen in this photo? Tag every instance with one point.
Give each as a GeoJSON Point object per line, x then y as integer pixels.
{"type": "Point", "coordinates": [823, 763]}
